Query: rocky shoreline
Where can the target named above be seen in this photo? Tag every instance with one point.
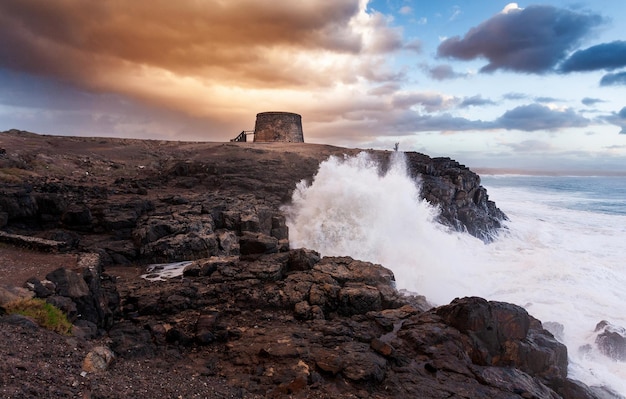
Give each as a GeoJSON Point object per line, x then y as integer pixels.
{"type": "Point", "coordinates": [250, 317]}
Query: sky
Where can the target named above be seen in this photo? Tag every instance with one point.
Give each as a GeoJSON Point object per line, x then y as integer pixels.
{"type": "Point", "coordinates": [492, 84]}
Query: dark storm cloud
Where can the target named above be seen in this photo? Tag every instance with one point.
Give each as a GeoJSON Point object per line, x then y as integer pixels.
{"type": "Point", "coordinates": [588, 101]}
{"type": "Point", "coordinates": [534, 117]}
{"type": "Point", "coordinates": [248, 42]}
{"type": "Point", "coordinates": [533, 40]}
{"type": "Point", "coordinates": [475, 101]}
{"type": "Point", "coordinates": [213, 60]}
{"type": "Point", "coordinates": [603, 56]}
{"type": "Point", "coordinates": [613, 79]}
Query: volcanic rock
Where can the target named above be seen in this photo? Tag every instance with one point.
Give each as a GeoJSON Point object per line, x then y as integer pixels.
{"type": "Point", "coordinates": [249, 315]}
{"type": "Point", "coordinates": [611, 340]}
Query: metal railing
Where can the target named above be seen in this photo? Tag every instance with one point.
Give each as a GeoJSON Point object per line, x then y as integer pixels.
{"type": "Point", "coordinates": [243, 136]}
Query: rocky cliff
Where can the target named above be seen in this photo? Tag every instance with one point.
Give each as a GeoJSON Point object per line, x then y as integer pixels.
{"type": "Point", "coordinates": [250, 317]}
{"type": "Point", "coordinates": [144, 201]}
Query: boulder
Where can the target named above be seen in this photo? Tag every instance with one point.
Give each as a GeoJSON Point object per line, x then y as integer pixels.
{"type": "Point", "coordinates": [68, 283]}
{"type": "Point", "coordinates": [130, 341]}
{"type": "Point", "coordinates": [98, 359]}
{"type": "Point", "coordinates": [611, 340]}
{"type": "Point", "coordinates": [359, 298]}
{"type": "Point", "coordinates": [302, 259]}
{"type": "Point", "coordinates": [257, 243]}
{"type": "Point", "coordinates": [78, 217]}
{"type": "Point", "coordinates": [502, 334]}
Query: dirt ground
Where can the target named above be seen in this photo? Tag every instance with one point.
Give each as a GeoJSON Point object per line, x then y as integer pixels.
{"type": "Point", "coordinates": [19, 264]}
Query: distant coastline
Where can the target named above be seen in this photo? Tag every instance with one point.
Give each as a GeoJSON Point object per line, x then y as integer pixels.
{"type": "Point", "coordinates": [561, 173]}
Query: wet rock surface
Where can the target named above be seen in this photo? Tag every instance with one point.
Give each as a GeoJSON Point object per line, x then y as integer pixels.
{"type": "Point", "coordinates": [248, 317]}
{"type": "Point", "coordinates": [294, 324]}
{"type": "Point", "coordinates": [611, 340]}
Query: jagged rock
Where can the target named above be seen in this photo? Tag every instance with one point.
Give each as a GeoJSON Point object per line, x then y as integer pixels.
{"type": "Point", "coordinates": [282, 323]}
{"type": "Point", "coordinates": [361, 364]}
{"type": "Point", "coordinates": [84, 329]}
{"type": "Point", "coordinates": [251, 244]}
{"type": "Point", "coordinates": [40, 290]}
{"type": "Point", "coordinates": [91, 296]}
{"type": "Point", "coordinates": [611, 340]}
{"type": "Point", "coordinates": [18, 203]}
{"type": "Point", "coordinates": [279, 229]}
{"type": "Point", "coordinates": [359, 298]}
{"type": "Point", "coordinates": [68, 283]}
{"type": "Point", "coordinates": [180, 247]}
{"type": "Point", "coordinates": [130, 341]}
{"type": "Point", "coordinates": [78, 217]}
{"type": "Point", "coordinates": [456, 190]}
{"type": "Point", "coordinates": [50, 206]}
{"type": "Point", "coordinates": [228, 242]}
{"type": "Point", "coordinates": [302, 259]}
{"type": "Point", "coordinates": [503, 334]}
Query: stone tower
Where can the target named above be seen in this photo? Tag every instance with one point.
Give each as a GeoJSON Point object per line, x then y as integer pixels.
{"type": "Point", "coordinates": [278, 126]}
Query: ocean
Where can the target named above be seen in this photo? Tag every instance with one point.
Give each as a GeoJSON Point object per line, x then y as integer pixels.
{"type": "Point", "coordinates": [562, 254]}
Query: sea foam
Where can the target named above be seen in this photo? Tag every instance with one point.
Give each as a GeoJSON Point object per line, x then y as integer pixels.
{"type": "Point", "coordinates": [564, 266]}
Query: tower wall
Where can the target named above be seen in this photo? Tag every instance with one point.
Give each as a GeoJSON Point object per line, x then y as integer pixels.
{"type": "Point", "coordinates": [278, 126]}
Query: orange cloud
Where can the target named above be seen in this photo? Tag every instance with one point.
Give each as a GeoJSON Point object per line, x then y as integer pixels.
{"type": "Point", "coordinates": [221, 60]}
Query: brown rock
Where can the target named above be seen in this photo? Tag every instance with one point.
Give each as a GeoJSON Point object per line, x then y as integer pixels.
{"type": "Point", "coordinates": [381, 347]}
{"type": "Point", "coordinates": [98, 359]}
{"type": "Point", "coordinates": [359, 298]}
{"type": "Point", "coordinates": [68, 283]}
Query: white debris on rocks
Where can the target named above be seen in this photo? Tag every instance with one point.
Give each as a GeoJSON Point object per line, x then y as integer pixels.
{"type": "Point", "coordinates": [162, 271]}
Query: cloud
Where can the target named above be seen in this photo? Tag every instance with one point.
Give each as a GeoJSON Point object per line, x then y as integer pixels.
{"type": "Point", "coordinates": [532, 40]}
{"type": "Point", "coordinates": [515, 96]}
{"type": "Point", "coordinates": [613, 79]}
{"type": "Point", "coordinates": [406, 10]}
{"type": "Point", "coordinates": [547, 100]}
{"type": "Point", "coordinates": [385, 89]}
{"type": "Point", "coordinates": [618, 119]}
{"type": "Point", "coordinates": [588, 101]}
{"type": "Point", "coordinates": [456, 12]}
{"type": "Point", "coordinates": [216, 61]}
{"type": "Point", "coordinates": [442, 72]}
{"type": "Point", "coordinates": [535, 117]}
{"type": "Point", "coordinates": [528, 146]}
{"type": "Point", "coordinates": [602, 56]}
{"type": "Point", "coordinates": [431, 102]}
{"type": "Point", "coordinates": [413, 122]}
{"type": "Point", "coordinates": [414, 45]}
{"type": "Point", "coordinates": [475, 101]}
{"type": "Point", "coordinates": [249, 43]}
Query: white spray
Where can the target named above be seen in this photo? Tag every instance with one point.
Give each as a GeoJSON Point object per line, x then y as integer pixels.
{"type": "Point", "coordinates": [550, 266]}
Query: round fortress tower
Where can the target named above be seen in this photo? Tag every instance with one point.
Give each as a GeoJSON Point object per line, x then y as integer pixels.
{"type": "Point", "coordinates": [278, 126]}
